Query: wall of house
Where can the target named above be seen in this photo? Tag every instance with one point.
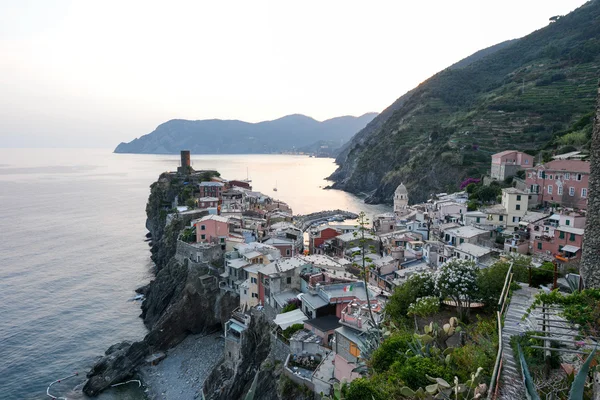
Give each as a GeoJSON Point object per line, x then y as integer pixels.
{"type": "Point", "coordinates": [212, 229]}
{"type": "Point", "coordinates": [298, 347]}
{"type": "Point", "coordinates": [343, 369]}
{"type": "Point", "coordinates": [566, 198]}
{"type": "Point", "coordinates": [208, 253]}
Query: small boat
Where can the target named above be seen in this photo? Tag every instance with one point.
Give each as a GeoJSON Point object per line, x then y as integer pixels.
{"type": "Point", "coordinates": [138, 297]}
{"type": "Point", "coordinates": [275, 188]}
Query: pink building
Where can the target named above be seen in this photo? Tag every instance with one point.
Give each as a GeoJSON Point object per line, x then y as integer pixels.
{"type": "Point", "coordinates": [566, 241]}
{"type": "Point", "coordinates": [564, 182]}
{"type": "Point", "coordinates": [211, 189]}
{"type": "Point", "coordinates": [212, 229]}
{"type": "Point", "coordinates": [208, 202]}
{"type": "Point", "coordinates": [508, 162]}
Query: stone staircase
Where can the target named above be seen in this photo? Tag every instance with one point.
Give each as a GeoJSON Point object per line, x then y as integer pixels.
{"type": "Point", "coordinates": [511, 381]}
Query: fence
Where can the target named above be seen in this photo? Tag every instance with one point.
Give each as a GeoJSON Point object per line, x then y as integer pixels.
{"type": "Point", "coordinates": [493, 391]}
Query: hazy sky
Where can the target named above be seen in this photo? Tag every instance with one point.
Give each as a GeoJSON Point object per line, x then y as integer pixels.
{"type": "Point", "coordinates": [95, 73]}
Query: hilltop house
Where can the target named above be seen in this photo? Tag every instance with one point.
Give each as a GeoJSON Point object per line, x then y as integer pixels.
{"type": "Point", "coordinates": [212, 229]}
{"type": "Point", "coordinates": [507, 163]}
{"type": "Point", "coordinates": [561, 182]}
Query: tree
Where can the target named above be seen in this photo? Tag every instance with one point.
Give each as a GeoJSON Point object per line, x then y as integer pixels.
{"type": "Point", "coordinates": [417, 285]}
{"type": "Point", "coordinates": [590, 259]}
{"type": "Point", "coordinates": [457, 280]}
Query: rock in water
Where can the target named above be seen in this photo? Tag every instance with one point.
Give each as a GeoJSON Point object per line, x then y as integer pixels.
{"type": "Point", "coordinates": [116, 366]}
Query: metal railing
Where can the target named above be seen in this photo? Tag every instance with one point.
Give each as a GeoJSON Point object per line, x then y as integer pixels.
{"type": "Point", "coordinates": [493, 391]}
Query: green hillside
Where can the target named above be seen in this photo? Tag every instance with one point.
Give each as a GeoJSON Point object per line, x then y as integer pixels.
{"type": "Point", "coordinates": [534, 94]}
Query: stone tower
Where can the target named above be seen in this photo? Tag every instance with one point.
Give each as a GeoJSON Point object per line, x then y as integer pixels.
{"type": "Point", "coordinates": [590, 258]}
{"type": "Point", "coordinates": [400, 200]}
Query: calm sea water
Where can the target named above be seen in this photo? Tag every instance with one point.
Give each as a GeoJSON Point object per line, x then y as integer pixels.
{"type": "Point", "coordinates": [72, 251]}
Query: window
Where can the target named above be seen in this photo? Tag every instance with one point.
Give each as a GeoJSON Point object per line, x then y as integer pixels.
{"type": "Point", "coordinates": [462, 240]}
{"type": "Point", "coordinates": [354, 350]}
{"type": "Point", "coordinates": [203, 237]}
{"type": "Point", "coordinates": [289, 280]}
{"type": "Point", "coordinates": [478, 219]}
{"type": "Point", "coordinates": [571, 191]}
{"type": "Point", "coordinates": [549, 189]}
{"type": "Point", "coordinates": [559, 190]}
{"type": "Point", "coordinates": [572, 237]}
{"type": "Point", "coordinates": [518, 197]}
{"type": "Point", "coordinates": [562, 235]}
{"type": "Point", "coordinates": [518, 207]}
{"type": "Point", "coordinates": [255, 295]}
{"type": "Point", "coordinates": [222, 240]}
{"type": "Point", "coordinates": [550, 177]}
{"type": "Point", "coordinates": [578, 177]}
{"type": "Point", "coordinates": [253, 280]}
{"type": "Point", "coordinates": [557, 177]}
{"type": "Point", "coordinates": [202, 227]}
{"type": "Point", "coordinates": [501, 218]}
{"type": "Point", "coordinates": [526, 161]}
{"type": "Point", "coordinates": [516, 219]}
{"type": "Point", "coordinates": [583, 192]}
{"type": "Point", "coordinates": [539, 245]}
{"type": "Point", "coordinates": [540, 173]}
{"type": "Point", "coordinates": [245, 291]}
{"type": "Point", "coordinates": [567, 176]}
{"type": "Point", "coordinates": [287, 252]}
{"type": "Point", "coordinates": [560, 248]}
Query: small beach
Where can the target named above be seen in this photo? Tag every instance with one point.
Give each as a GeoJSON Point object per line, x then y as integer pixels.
{"type": "Point", "coordinates": [182, 373]}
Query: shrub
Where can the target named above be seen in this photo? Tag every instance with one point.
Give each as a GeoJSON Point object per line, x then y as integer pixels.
{"type": "Point", "coordinates": [417, 285]}
{"type": "Point", "coordinates": [391, 350]}
{"type": "Point", "coordinates": [414, 371]}
{"type": "Point", "coordinates": [361, 389]}
{"type": "Point", "coordinates": [291, 305]}
{"type": "Point", "coordinates": [290, 330]}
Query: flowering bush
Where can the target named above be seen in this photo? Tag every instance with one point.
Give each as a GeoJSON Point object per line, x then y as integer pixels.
{"type": "Point", "coordinates": [468, 181]}
{"type": "Point", "coordinates": [416, 286]}
{"type": "Point", "coordinates": [457, 280]}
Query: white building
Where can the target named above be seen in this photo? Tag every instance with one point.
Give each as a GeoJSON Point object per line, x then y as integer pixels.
{"type": "Point", "coordinates": [401, 200]}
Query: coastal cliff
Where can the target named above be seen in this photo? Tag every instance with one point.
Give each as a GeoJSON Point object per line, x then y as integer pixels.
{"type": "Point", "coordinates": [182, 299]}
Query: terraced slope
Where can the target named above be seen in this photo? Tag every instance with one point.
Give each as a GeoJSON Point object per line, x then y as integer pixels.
{"type": "Point", "coordinates": [521, 96]}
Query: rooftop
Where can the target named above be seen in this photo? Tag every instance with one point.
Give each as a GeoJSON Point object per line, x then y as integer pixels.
{"type": "Point", "coordinates": [282, 298]}
{"type": "Point", "coordinates": [513, 191]}
{"type": "Point", "coordinates": [495, 209]}
{"type": "Point", "coordinates": [473, 249]}
{"type": "Point", "coordinates": [570, 229]}
{"type": "Point", "coordinates": [568, 165]}
{"type": "Point", "coordinates": [290, 318]}
{"type": "Point", "coordinates": [213, 217]}
{"type": "Point", "coordinates": [206, 199]}
{"type": "Point", "coordinates": [348, 237]}
{"type": "Point", "coordinates": [466, 231]}
{"type": "Point", "coordinates": [305, 336]}
{"type": "Point", "coordinates": [324, 324]}
{"type": "Point", "coordinates": [531, 216]}
{"type": "Point", "coordinates": [217, 184]}
{"type": "Point", "coordinates": [313, 300]}
{"type": "Point", "coordinates": [237, 263]}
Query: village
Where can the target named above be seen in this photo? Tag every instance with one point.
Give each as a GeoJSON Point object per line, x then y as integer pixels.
{"type": "Point", "coordinates": [304, 272]}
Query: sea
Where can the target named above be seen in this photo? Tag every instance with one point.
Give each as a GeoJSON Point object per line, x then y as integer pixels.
{"type": "Point", "coordinates": [73, 250]}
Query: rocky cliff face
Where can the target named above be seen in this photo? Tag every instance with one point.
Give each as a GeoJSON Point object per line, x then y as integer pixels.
{"type": "Point", "coordinates": [231, 380]}
{"type": "Point", "coordinates": [590, 259]}
{"type": "Point", "coordinates": [177, 301]}
{"type": "Point", "coordinates": [522, 96]}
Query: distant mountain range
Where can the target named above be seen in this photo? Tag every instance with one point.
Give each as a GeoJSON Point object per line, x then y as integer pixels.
{"type": "Point", "coordinates": [214, 136]}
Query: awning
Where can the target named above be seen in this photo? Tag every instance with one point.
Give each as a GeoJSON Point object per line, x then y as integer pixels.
{"type": "Point", "coordinates": [290, 318]}
{"type": "Point", "coordinates": [571, 249]}
{"type": "Point", "coordinates": [237, 327]}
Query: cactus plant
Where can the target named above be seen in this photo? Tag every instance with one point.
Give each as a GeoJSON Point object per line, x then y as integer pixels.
{"type": "Point", "coordinates": [440, 389]}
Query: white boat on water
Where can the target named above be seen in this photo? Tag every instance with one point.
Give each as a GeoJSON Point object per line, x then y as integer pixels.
{"type": "Point", "coordinates": [275, 188]}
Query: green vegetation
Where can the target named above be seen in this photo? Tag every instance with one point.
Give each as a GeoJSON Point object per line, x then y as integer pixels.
{"type": "Point", "coordinates": [290, 330]}
{"type": "Point", "coordinates": [534, 94]}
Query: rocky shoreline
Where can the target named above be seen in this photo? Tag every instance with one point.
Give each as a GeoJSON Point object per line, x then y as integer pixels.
{"type": "Point", "coordinates": [182, 373]}
{"type": "Point", "coordinates": [177, 302]}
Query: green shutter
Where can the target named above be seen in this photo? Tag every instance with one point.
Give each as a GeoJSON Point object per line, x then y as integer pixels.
{"type": "Point", "coordinates": [539, 245]}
